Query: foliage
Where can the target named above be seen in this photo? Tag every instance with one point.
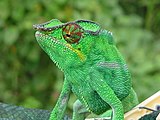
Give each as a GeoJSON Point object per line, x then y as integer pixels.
{"type": "Point", "coordinates": [27, 75]}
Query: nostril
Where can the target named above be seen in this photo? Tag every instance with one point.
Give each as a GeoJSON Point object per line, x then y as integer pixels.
{"type": "Point", "coordinates": [36, 27]}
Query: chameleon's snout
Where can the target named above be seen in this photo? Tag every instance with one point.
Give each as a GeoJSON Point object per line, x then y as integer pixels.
{"type": "Point", "coordinates": [40, 27]}
{"type": "Point", "coordinates": [35, 27]}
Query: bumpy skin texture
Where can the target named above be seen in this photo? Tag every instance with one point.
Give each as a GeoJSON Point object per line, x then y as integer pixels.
{"type": "Point", "coordinates": [94, 69]}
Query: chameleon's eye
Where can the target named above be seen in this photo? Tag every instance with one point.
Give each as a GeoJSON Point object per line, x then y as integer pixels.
{"type": "Point", "coordinates": [72, 33]}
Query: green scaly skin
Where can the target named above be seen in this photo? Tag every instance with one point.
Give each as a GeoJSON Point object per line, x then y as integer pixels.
{"type": "Point", "coordinates": [94, 69]}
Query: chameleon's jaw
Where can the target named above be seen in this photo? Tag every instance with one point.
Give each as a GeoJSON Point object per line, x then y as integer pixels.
{"type": "Point", "coordinates": [49, 42]}
{"type": "Point", "coordinates": [41, 37]}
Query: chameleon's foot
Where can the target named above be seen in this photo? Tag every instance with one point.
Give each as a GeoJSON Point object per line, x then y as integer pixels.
{"type": "Point", "coordinates": [79, 111]}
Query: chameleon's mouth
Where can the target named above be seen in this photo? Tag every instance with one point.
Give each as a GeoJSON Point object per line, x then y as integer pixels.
{"type": "Point", "coordinates": [42, 37]}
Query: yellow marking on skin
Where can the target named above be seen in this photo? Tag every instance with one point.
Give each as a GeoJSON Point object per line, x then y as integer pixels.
{"type": "Point", "coordinates": [79, 53]}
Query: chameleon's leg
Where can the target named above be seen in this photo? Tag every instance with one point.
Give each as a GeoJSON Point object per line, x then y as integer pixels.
{"type": "Point", "coordinates": [59, 109]}
{"type": "Point", "coordinates": [112, 100]}
{"type": "Point", "coordinates": [107, 94]}
{"type": "Point", "coordinates": [128, 103]}
{"type": "Point", "coordinates": [79, 111]}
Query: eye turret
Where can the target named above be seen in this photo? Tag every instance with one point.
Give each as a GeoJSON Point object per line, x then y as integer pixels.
{"type": "Point", "coordinates": [72, 33]}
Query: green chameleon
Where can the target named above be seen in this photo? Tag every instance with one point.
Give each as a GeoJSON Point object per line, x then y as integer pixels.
{"type": "Point", "coordinates": [94, 69]}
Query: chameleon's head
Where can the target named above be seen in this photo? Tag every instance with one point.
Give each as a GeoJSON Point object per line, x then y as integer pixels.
{"type": "Point", "coordinates": [67, 43]}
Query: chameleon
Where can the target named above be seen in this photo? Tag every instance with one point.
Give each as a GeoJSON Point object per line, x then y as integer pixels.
{"type": "Point", "coordinates": [94, 70]}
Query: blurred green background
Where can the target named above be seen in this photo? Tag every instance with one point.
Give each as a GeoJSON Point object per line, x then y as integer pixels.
{"type": "Point", "coordinates": [29, 78]}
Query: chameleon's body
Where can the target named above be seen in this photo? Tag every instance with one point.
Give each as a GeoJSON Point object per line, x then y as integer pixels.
{"type": "Point", "coordinates": [93, 68]}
